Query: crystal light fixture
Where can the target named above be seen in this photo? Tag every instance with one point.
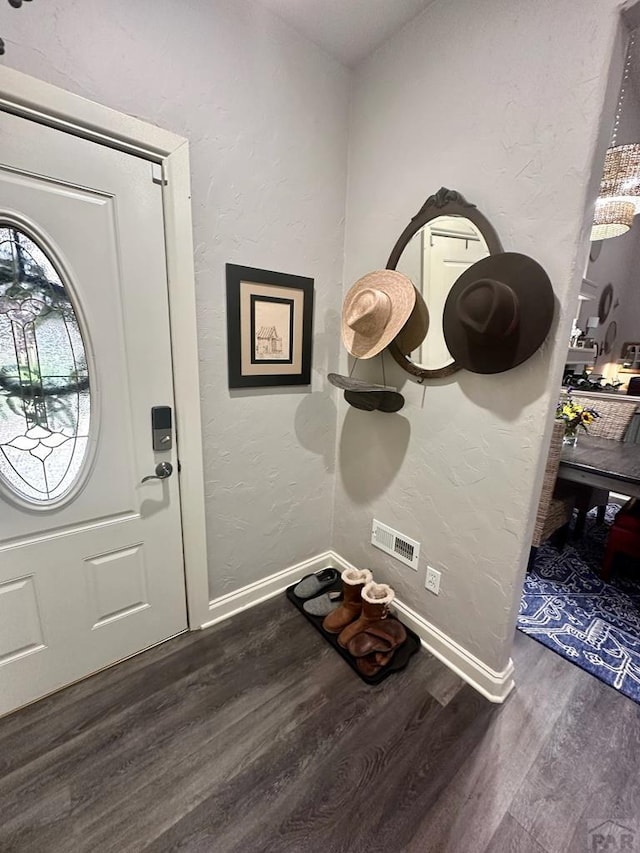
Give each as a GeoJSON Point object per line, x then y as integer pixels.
{"type": "Point", "coordinates": [619, 197]}
{"type": "Point", "coordinates": [16, 5]}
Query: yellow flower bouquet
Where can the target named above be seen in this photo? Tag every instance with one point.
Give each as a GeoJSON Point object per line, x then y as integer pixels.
{"type": "Point", "coordinates": [575, 417]}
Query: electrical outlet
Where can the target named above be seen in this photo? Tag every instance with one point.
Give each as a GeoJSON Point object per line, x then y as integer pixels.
{"type": "Point", "coordinates": [432, 581]}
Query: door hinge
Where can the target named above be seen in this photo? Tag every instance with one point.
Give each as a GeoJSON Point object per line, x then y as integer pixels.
{"type": "Point", "coordinates": [157, 174]}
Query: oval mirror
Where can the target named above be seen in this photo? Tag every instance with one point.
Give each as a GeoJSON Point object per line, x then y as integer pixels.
{"type": "Point", "coordinates": [446, 237]}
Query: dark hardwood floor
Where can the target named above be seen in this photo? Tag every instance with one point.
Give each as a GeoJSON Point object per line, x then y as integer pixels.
{"type": "Point", "coordinates": [255, 737]}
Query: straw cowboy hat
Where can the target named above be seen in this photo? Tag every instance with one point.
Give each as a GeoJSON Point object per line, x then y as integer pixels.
{"type": "Point", "coordinates": [415, 329]}
{"type": "Point", "coordinates": [375, 309]}
{"type": "Point", "coordinates": [498, 313]}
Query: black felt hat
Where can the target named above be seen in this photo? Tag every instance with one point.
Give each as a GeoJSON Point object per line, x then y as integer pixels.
{"type": "Point", "coordinates": [498, 313]}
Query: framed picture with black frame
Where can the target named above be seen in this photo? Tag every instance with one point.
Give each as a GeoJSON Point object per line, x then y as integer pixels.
{"type": "Point", "coordinates": [269, 327]}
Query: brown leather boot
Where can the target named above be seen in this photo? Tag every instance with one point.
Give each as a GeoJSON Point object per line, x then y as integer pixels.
{"type": "Point", "coordinates": [353, 582]}
{"type": "Point", "coordinates": [372, 664]}
{"type": "Point", "coordinates": [376, 598]}
{"type": "Point", "coordinates": [374, 647]}
{"type": "Point", "coordinates": [385, 635]}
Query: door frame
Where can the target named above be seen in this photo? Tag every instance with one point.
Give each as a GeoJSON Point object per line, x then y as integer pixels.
{"type": "Point", "coordinates": [41, 102]}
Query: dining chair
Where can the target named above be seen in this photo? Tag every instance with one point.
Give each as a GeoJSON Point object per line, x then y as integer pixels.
{"type": "Point", "coordinates": [613, 423]}
{"type": "Point", "coordinates": [554, 510]}
{"type": "Point", "coordinates": [624, 537]}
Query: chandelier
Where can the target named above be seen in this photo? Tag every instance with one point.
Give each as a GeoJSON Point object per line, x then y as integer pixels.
{"type": "Point", "coordinates": [16, 5]}
{"type": "Point", "coordinates": [619, 196]}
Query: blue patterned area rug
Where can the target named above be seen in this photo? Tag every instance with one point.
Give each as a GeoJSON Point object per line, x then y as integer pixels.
{"type": "Point", "coordinates": [596, 625]}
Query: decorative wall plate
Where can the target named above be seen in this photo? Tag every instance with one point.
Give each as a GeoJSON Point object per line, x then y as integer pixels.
{"type": "Point", "coordinates": [605, 303]}
{"type": "Point", "coordinates": [596, 248]}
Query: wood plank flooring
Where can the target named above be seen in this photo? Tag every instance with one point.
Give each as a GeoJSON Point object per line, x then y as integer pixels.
{"type": "Point", "coordinates": [255, 737]}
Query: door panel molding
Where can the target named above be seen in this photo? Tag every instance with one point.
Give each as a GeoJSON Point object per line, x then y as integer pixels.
{"type": "Point", "coordinates": [33, 99]}
{"type": "Point", "coordinates": [22, 632]}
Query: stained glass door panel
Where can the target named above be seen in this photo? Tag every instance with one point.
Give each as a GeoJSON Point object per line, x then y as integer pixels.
{"type": "Point", "coordinates": [45, 393]}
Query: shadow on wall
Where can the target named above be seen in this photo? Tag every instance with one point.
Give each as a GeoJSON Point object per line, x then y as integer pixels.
{"type": "Point", "coordinates": [316, 416]}
{"type": "Point", "coordinates": [315, 426]}
{"type": "Point", "coordinates": [378, 370]}
{"type": "Point", "coordinates": [369, 466]}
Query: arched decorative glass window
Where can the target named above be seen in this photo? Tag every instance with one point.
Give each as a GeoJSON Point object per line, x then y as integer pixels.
{"type": "Point", "coordinates": [45, 399]}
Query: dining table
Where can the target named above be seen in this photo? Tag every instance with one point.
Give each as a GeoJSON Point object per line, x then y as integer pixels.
{"type": "Point", "coordinates": [602, 463]}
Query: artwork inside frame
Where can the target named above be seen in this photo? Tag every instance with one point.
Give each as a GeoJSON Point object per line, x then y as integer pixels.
{"type": "Point", "coordinates": [269, 327]}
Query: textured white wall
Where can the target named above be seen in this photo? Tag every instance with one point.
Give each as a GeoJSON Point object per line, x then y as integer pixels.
{"type": "Point", "coordinates": [501, 100]}
{"type": "Point", "coordinates": [266, 114]}
{"type": "Point", "coordinates": [616, 265]}
{"type": "Point", "coordinates": [617, 261]}
{"type": "Point", "coordinates": [627, 315]}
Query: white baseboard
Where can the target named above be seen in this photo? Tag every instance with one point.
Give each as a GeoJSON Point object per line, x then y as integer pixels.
{"type": "Point", "coordinates": [254, 593]}
{"type": "Point", "coordinates": [493, 685]}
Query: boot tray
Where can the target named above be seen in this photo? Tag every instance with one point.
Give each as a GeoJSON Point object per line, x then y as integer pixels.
{"type": "Point", "coordinates": [397, 662]}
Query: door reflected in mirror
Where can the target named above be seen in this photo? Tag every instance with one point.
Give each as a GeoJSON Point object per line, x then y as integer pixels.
{"type": "Point", "coordinates": [434, 258]}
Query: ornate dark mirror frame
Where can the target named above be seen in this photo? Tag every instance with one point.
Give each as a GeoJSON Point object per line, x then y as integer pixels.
{"type": "Point", "coordinates": [444, 203]}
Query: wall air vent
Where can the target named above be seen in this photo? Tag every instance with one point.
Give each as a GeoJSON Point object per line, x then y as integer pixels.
{"type": "Point", "coordinates": [396, 544]}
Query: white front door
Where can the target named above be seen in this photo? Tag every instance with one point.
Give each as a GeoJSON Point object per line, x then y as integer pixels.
{"type": "Point", "coordinates": [91, 565]}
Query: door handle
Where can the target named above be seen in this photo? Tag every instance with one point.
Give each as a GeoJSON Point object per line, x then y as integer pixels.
{"type": "Point", "coordinates": [163, 470]}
